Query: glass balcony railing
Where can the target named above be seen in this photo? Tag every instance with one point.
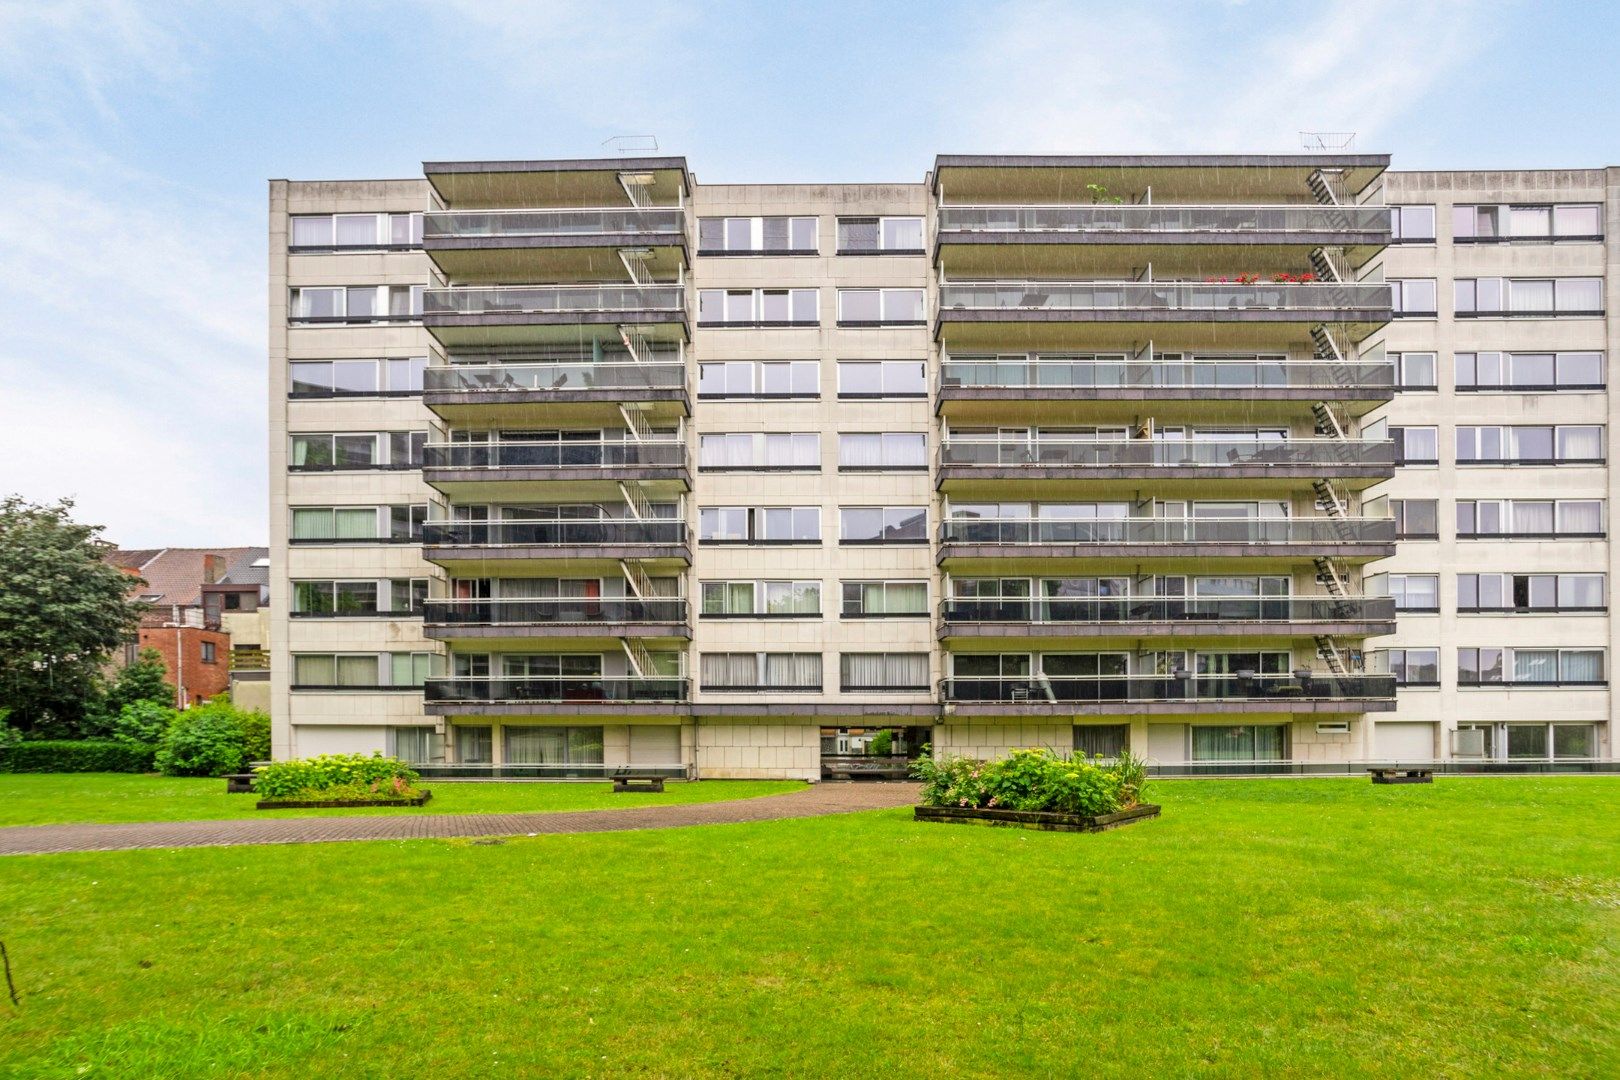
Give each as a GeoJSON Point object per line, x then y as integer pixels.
{"type": "Point", "coordinates": [552, 299]}
{"type": "Point", "coordinates": [1211, 297]}
{"type": "Point", "coordinates": [555, 610]}
{"type": "Point", "coordinates": [1299, 686]}
{"type": "Point", "coordinates": [555, 455]}
{"type": "Point", "coordinates": [1032, 531]}
{"type": "Point", "coordinates": [1173, 375]}
{"type": "Point", "coordinates": [561, 533]}
{"type": "Point", "coordinates": [553, 377]}
{"type": "Point", "coordinates": [1306, 218]}
{"type": "Point", "coordinates": [490, 690]}
{"type": "Point", "coordinates": [974, 452]}
{"type": "Point", "coordinates": [466, 224]}
{"type": "Point", "coordinates": [1164, 609]}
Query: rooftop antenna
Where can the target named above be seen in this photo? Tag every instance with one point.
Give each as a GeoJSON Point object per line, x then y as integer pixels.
{"type": "Point", "coordinates": [1328, 142]}
{"type": "Point", "coordinates": [631, 144]}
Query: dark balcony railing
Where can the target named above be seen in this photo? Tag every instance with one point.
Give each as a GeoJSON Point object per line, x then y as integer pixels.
{"type": "Point", "coordinates": [463, 224]}
{"type": "Point", "coordinates": [553, 377]}
{"type": "Point", "coordinates": [562, 533]}
{"type": "Point", "coordinates": [1109, 218]}
{"type": "Point", "coordinates": [552, 610]}
{"type": "Point", "coordinates": [1319, 530]}
{"type": "Point", "coordinates": [1146, 688]}
{"type": "Point", "coordinates": [1157, 375]}
{"type": "Point", "coordinates": [1132, 610]}
{"type": "Point", "coordinates": [475, 690]}
{"type": "Point", "coordinates": [551, 299]}
{"type": "Point", "coordinates": [555, 455]}
{"type": "Point", "coordinates": [975, 451]}
{"type": "Point", "coordinates": [1212, 297]}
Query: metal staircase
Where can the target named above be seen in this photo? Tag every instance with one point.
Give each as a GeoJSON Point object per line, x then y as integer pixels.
{"type": "Point", "coordinates": [1325, 185]}
{"type": "Point", "coordinates": [1329, 654]}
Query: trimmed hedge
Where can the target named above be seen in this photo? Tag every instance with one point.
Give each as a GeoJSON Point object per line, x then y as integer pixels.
{"type": "Point", "coordinates": [77, 755]}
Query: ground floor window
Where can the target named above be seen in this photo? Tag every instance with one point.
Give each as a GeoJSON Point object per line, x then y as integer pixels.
{"type": "Point", "coordinates": [417, 745]}
{"type": "Point", "coordinates": [873, 741]}
{"type": "Point", "coordinates": [1244, 742]}
{"type": "Point", "coordinates": [553, 745]}
{"type": "Point", "coordinates": [1101, 740]}
{"type": "Point", "coordinates": [475, 745]}
{"type": "Point", "coordinates": [1526, 742]}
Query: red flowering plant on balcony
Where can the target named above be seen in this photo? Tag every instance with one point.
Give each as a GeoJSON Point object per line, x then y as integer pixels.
{"type": "Point", "coordinates": [1254, 279]}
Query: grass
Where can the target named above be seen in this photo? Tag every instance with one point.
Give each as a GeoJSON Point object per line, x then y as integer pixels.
{"type": "Point", "coordinates": [1260, 928]}
{"type": "Point", "coordinates": [65, 798]}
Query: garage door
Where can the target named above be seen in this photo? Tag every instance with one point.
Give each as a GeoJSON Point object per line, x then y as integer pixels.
{"type": "Point", "coordinates": [655, 745]}
{"type": "Point", "coordinates": [1402, 741]}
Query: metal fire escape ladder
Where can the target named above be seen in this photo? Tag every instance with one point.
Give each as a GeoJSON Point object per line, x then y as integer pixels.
{"type": "Point", "coordinates": [638, 188]}
{"type": "Point", "coordinates": [1324, 267]}
{"type": "Point", "coordinates": [1325, 185]}
{"type": "Point", "coordinates": [641, 661]}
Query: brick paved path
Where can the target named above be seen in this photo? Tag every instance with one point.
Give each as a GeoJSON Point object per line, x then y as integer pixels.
{"type": "Point", "coordinates": [814, 801]}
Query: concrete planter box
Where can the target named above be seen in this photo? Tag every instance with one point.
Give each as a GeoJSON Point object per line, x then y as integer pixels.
{"type": "Point", "coordinates": [1036, 819]}
{"type": "Point", "coordinates": [336, 804]}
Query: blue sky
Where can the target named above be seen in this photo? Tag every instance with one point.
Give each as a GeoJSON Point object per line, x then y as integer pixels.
{"type": "Point", "coordinates": [136, 139]}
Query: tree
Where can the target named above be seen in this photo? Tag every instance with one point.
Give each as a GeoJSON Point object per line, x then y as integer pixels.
{"type": "Point", "coordinates": [144, 680]}
{"type": "Point", "coordinates": [62, 612]}
{"type": "Point", "coordinates": [214, 739]}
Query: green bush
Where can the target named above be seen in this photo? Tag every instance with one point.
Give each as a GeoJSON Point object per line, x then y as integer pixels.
{"type": "Point", "coordinates": [81, 755]}
{"type": "Point", "coordinates": [143, 723]}
{"type": "Point", "coordinates": [213, 739]}
{"type": "Point", "coordinates": [377, 791]}
{"type": "Point", "coordinates": [882, 744]}
{"type": "Point", "coordinates": [1032, 780]}
{"type": "Point", "coordinates": [9, 736]}
{"type": "Point", "coordinates": [314, 777]}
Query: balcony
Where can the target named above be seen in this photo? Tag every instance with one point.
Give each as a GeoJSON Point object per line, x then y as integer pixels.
{"type": "Point", "coordinates": [497, 314]}
{"type": "Point", "coordinates": [993, 386]}
{"type": "Point", "coordinates": [1142, 617]}
{"type": "Point", "coordinates": [591, 470]}
{"type": "Point", "coordinates": [519, 391]}
{"type": "Point", "coordinates": [576, 618]}
{"type": "Point", "coordinates": [1299, 692]}
{"type": "Point", "coordinates": [467, 548]}
{"type": "Point", "coordinates": [996, 540]}
{"type": "Point", "coordinates": [555, 244]}
{"type": "Point", "coordinates": [1257, 315]}
{"type": "Point", "coordinates": [973, 239]}
{"type": "Point", "coordinates": [1351, 461]}
{"type": "Point", "coordinates": [554, 695]}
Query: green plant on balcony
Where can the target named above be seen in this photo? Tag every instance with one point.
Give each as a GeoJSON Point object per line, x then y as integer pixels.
{"type": "Point", "coordinates": [1099, 194]}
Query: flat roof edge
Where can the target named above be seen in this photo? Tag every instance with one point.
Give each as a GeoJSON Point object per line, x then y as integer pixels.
{"type": "Point", "coordinates": [1168, 161]}
{"type": "Point", "coordinates": [624, 164]}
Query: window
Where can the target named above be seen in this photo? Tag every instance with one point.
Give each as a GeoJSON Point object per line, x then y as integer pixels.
{"type": "Point", "coordinates": [1506, 297]}
{"type": "Point", "coordinates": [1416, 445]}
{"type": "Point", "coordinates": [1249, 742]}
{"type": "Point", "coordinates": [360, 671]}
{"type": "Point", "coordinates": [1101, 740]}
{"type": "Point", "coordinates": [1414, 371]}
{"type": "Point", "coordinates": [1413, 296]}
{"type": "Point", "coordinates": [1413, 667]}
{"type": "Point", "coordinates": [1576, 444]}
{"type": "Point", "coordinates": [759, 525]}
{"type": "Point", "coordinates": [416, 745]}
{"type": "Point", "coordinates": [757, 235]}
{"type": "Point", "coordinates": [314, 524]}
{"type": "Point", "coordinates": [355, 232]}
{"type": "Point", "coordinates": [355, 303]}
{"type": "Point", "coordinates": [1530, 518]}
{"type": "Point", "coordinates": [880, 307]}
{"type": "Point", "coordinates": [1418, 593]}
{"type": "Point", "coordinates": [208, 652]}
{"type": "Point", "coordinates": [1530, 667]}
{"type": "Point", "coordinates": [746, 671]}
{"type": "Point", "coordinates": [1484, 224]}
{"type": "Point", "coordinates": [1416, 519]}
{"type": "Point", "coordinates": [870, 451]}
{"type": "Point", "coordinates": [368, 597]}
{"type": "Point", "coordinates": [1412, 224]}
{"type": "Point", "coordinates": [883, 525]}
{"type": "Point", "coordinates": [882, 378]}
{"type": "Point", "coordinates": [757, 307]}
{"type": "Point", "coordinates": [880, 236]}
{"type": "Point", "coordinates": [883, 671]}
{"type": "Point", "coordinates": [884, 599]}
{"type": "Point", "coordinates": [759, 379]}
{"type": "Point", "coordinates": [348, 451]}
{"type": "Point", "coordinates": [743, 450]}
{"type": "Point", "coordinates": [1530, 371]}
{"type": "Point", "coordinates": [761, 599]}
{"type": "Point", "coordinates": [1530, 592]}
{"type": "Point", "coordinates": [533, 745]}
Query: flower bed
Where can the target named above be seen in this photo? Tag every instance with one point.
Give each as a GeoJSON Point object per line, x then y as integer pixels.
{"type": "Point", "coordinates": [1034, 789]}
{"type": "Point", "coordinates": [337, 780]}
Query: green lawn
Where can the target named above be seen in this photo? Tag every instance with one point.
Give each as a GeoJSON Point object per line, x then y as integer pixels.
{"type": "Point", "coordinates": [1259, 929]}
{"type": "Point", "coordinates": [60, 798]}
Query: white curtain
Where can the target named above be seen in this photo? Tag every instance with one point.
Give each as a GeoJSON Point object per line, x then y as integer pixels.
{"type": "Point", "coordinates": [1532, 517]}
{"type": "Point", "coordinates": [1535, 665]}
{"type": "Point", "coordinates": [729, 669]}
{"type": "Point", "coordinates": [1575, 517]}
{"type": "Point", "coordinates": [862, 450]}
{"type": "Point", "coordinates": [799, 670]}
{"type": "Point", "coordinates": [1584, 443]}
{"type": "Point", "coordinates": [1582, 665]}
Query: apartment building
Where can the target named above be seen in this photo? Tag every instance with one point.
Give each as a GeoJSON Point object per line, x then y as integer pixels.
{"type": "Point", "coordinates": [581, 464]}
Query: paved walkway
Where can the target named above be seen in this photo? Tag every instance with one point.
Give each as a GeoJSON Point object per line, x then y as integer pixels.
{"type": "Point", "coordinates": [815, 801]}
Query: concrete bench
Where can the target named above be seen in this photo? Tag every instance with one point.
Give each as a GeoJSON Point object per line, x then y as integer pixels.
{"type": "Point", "coordinates": [632, 782]}
{"type": "Point", "coordinates": [1414, 775]}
